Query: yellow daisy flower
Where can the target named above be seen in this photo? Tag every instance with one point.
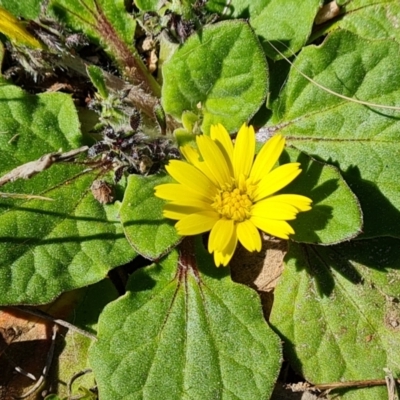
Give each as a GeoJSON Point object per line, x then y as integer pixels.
{"type": "Point", "coordinates": [221, 188]}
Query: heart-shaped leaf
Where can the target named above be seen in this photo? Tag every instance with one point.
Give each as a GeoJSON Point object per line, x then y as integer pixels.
{"type": "Point", "coordinates": [189, 316]}
{"type": "Point", "coordinates": [337, 311]}
{"type": "Point", "coordinates": [362, 140]}
{"type": "Point", "coordinates": [219, 73]}
{"type": "Point", "coordinates": [48, 247]}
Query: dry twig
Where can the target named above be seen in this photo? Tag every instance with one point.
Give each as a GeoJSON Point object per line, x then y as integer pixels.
{"type": "Point", "coordinates": [29, 169]}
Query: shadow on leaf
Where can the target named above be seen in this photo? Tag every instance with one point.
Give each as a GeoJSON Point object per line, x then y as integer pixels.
{"type": "Point", "coordinates": [56, 214]}
{"type": "Point", "coordinates": [38, 241]}
{"type": "Point", "coordinates": [381, 254]}
{"type": "Point", "coordinates": [381, 217]}
{"type": "Point", "coordinates": [319, 261]}
{"type": "Point", "coordinates": [307, 224]}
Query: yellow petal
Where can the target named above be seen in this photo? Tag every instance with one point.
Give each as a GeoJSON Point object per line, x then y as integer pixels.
{"type": "Point", "coordinates": [173, 211]}
{"type": "Point", "coordinates": [198, 204]}
{"type": "Point", "coordinates": [193, 157]}
{"type": "Point", "coordinates": [243, 153]}
{"type": "Point", "coordinates": [272, 209]}
{"type": "Point", "coordinates": [190, 176]}
{"type": "Point", "coordinates": [276, 180]}
{"type": "Point", "coordinates": [216, 161]}
{"type": "Point", "coordinates": [220, 235]}
{"type": "Point", "coordinates": [223, 257]}
{"type": "Point", "coordinates": [221, 136]}
{"type": "Point", "coordinates": [176, 193]}
{"type": "Point", "coordinates": [249, 236]}
{"type": "Point", "coordinates": [199, 222]}
{"type": "Point", "coordinates": [267, 157]}
{"type": "Point", "coordinates": [15, 30]}
{"type": "Point", "coordinates": [219, 259]}
{"type": "Point", "coordinates": [190, 153]}
{"type": "Point", "coordinates": [280, 229]}
{"type": "Point", "coordinates": [302, 203]}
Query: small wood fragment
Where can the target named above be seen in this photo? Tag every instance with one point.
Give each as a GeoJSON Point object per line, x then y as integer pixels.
{"type": "Point", "coordinates": [327, 12]}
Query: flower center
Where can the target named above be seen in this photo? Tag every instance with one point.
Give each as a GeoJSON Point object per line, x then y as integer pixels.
{"type": "Point", "coordinates": [233, 204]}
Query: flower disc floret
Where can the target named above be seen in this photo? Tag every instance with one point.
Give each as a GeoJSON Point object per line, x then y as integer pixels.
{"type": "Point", "coordinates": [221, 188]}
{"type": "Point", "coordinates": [233, 205]}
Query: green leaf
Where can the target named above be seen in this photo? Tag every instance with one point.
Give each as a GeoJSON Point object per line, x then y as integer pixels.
{"type": "Point", "coordinates": [336, 309]}
{"type": "Point", "coordinates": [31, 126]}
{"type": "Point", "coordinates": [147, 5]}
{"type": "Point", "coordinates": [52, 397]}
{"type": "Point", "coordinates": [147, 230]}
{"type": "Point", "coordinates": [361, 140]}
{"type": "Point", "coordinates": [87, 305]}
{"type": "Point", "coordinates": [286, 24]}
{"type": "Point", "coordinates": [97, 78]}
{"type": "Point", "coordinates": [29, 9]}
{"type": "Point", "coordinates": [236, 8]}
{"type": "Point", "coordinates": [185, 331]}
{"type": "Point", "coordinates": [104, 20]}
{"type": "Point", "coordinates": [335, 215]}
{"type": "Point", "coordinates": [184, 8]}
{"type": "Point", "coordinates": [48, 247]}
{"type": "Point", "coordinates": [220, 73]}
{"type": "Point", "coordinates": [108, 23]}
{"type": "Point", "coordinates": [371, 19]}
